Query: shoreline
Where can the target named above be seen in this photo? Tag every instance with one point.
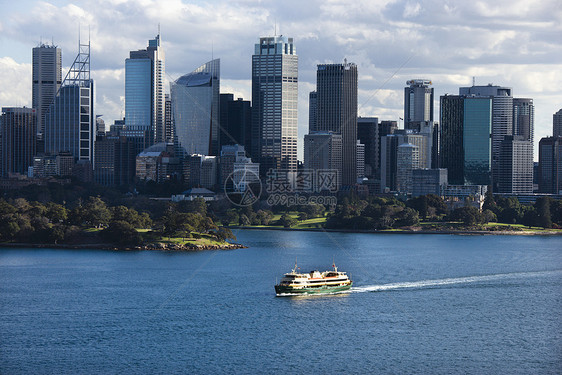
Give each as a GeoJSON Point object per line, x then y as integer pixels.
{"type": "Point", "coordinates": [159, 246]}
{"type": "Point", "coordinates": [411, 231]}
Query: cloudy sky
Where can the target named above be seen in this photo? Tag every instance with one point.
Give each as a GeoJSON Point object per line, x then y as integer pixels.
{"type": "Point", "coordinates": [514, 43]}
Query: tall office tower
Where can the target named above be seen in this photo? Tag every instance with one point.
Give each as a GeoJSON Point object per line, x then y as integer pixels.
{"type": "Point", "coordinates": [550, 165]}
{"type": "Point", "coordinates": [465, 147]}
{"type": "Point", "coordinates": [274, 104]}
{"type": "Point", "coordinates": [312, 117]}
{"type": "Point", "coordinates": [195, 108]}
{"type": "Point", "coordinates": [477, 126]}
{"type": "Point", "coordinates": [557, 124]}
{"type": "Point", "coordinates": [235, 121]}
{"type": "Point", "coordinates": [47, 78]}
{"type": "Point", "coordinates": [418, 103]}
{"type": "Point", "coordinates": [407, 161]}
{"type": "Point", "coordinates": [502, 118]}
{"type": "Point", "coordinates": [70, 122]}
{"type": "Point", "coordinates": [323, 151]}
{"type": "Point", "coordinates": [144, 95]}
{"type": "Point", "coordinates": [168, 119]}
{"type": "Point", "coordinates": [336, 88]}
{"type": "Point", "coordinates": [451, 154]}
{"type": "Point", "coordinates": [524, 118]}
{"type": "Point", "coordinates": [18, 135]}
{"type": "Point", "coordinates": [516, 165]}
{"type": "Point", "coordinates": [368, 134]}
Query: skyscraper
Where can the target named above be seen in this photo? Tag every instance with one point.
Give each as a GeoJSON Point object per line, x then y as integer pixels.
{"type": "Point", "coordinates": [18, 134]}
{"type": "Point", "coordinates": [144, 94]}
{"type": "Point", "coordinates": [465, 146]}
{"type": "Point", "coordinates": [274, 103]}
{"type": "Point", "coordinates": [418, 103]}
{"type": "Point", "coordinates": [502, 118]}
{"type": "Point", "coordinates": [323, 151]}
{"type": "Point", "coordinates": [557, 124]}
{"type": "Point", "coordinates": [47, 78]}
{"type": "Point", "coordinates": [336, 111]}
{"type": "Point", "coordinates": [195, 108]}
{"type": "Point", "coordinates": [477, 126]}
{"type": "Point", "coordinates": [451, 152]}
{"type": "Point", "coordinates": [70, 122]}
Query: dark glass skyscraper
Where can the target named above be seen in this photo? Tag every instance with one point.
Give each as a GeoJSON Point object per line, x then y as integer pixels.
{"type": "Point", "coordinates": [235, 121]}
{"type": "Point", "coordinates": [451, 152]}
{"type": "Point", "coordinates": [18, 135]}
{"type": "Point", "coordinates": [274, 104]}
{"type": "Point", "coordinates": [336, 88]}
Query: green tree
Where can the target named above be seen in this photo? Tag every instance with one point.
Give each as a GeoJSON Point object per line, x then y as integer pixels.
{"type": "Point", "coordinates": [542, 206]}
{"type": "Point", "coordinates": [468, 215]}
{"type": "Point", "coordinates": [121, 233]}
{"type": "Point", "coordinates": [286, 221]}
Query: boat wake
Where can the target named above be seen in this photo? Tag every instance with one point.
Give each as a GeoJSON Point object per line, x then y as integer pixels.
{"type": "Point", "coordinates": [451, 281]}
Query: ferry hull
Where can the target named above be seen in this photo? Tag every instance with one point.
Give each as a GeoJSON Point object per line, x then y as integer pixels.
{"type": "Point", "coordinates": [280, 290]}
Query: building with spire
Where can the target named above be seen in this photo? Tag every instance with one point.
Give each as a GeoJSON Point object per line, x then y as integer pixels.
{"type": "Point", "coordinates": [274, 104]}
{"type": "Point", "coordinates": [70, 124]}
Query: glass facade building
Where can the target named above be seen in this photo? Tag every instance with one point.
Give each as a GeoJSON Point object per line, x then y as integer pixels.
{"type": "Point", "coordinates": [195, 108]}
{"type": "Point", "coordinates": [144, 95]}
{"type": "Point", "coordinates": [274, 104]}
{"type": "Point", "coordinates": [477, 128]}
{"type": "Point", "coordinates": [18, 135]}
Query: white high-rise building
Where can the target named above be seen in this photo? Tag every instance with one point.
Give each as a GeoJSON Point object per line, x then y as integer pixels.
{"type": "Point", "coordinates": [418, 103]}
{"type": "Point", "coordinates": [47, 78]}
{"type": "Point", "coordinates": [274, 104]}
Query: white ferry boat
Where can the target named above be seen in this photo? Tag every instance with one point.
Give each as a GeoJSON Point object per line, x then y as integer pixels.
{"type": "Point", "coordinates": [313, 282]}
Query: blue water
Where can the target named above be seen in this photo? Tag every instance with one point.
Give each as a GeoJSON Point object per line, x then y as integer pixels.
{"type": "Point", "coordinates": [421, 304]}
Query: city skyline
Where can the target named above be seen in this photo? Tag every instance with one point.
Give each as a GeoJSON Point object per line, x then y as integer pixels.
{"type": "Point", "coordinates": [511, 46]}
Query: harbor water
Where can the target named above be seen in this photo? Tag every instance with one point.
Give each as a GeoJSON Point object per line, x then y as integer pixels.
{"type": "Point", "coordinates": [420, 304]}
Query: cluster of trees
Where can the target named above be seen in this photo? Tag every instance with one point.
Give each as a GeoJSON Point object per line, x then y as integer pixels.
{"type": "Point", "coordinates": [21, 220]}
{"type": "Point", "coordinates": [386, 213]}
{"type": "Point", "coordinates": [36, 222]}
{"type": "Point", "coordinates": [372, 213]}
{"type": "Point", "coordinates": [546, 212]}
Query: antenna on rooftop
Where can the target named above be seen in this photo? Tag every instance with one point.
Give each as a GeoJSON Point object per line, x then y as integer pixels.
{"type": "Point", "coordinates": [473, 81]}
